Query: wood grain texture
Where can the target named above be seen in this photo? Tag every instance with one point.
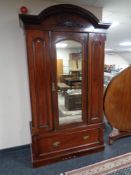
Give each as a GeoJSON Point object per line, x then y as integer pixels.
{"type": "Point", "coordinates": [117, 101]}
{"type": "Point", "coordinates": [40, 79]}
{"type": "Point", "coordinates": [52, 142]}
{"type": "Point", "coordinates": [95, 77]}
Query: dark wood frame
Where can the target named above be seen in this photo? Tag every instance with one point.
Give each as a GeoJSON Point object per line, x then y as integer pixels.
{"type": "Point", "coordinates": [51, 142]}
{"type": "Point", "coordinates": [57, 37]}
{"type": "Point", "coordinates": [63, 8]}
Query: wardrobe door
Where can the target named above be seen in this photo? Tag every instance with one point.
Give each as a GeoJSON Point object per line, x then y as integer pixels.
{"type": "Point", "coordinates": [70, 90]}
{"type": "Point", "coordinates": [40, 79]}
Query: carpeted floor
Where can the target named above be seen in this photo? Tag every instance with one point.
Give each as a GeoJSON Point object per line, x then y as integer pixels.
{"type": "Point", "coordinates": [19, 162]}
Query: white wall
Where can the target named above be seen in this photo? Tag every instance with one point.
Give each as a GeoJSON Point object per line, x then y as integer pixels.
{"type": "Point", "coordinates": [14, 92]}
{"type": "Point", "coordinates": [126, 56]}
{"type": "Point", "coordinates": [65, 55]}
{"type": "Point", "coordinates": [116, 59]}
{"type": "Point", "coordinates": [15, 112]}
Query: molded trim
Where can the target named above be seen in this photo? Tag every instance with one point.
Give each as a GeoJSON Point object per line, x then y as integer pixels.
{"type": "Point", "coordinates": [59, 9]}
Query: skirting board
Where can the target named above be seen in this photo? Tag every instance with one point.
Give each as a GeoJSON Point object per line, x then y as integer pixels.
{"type": "Point", "coordinates": [16, 148]}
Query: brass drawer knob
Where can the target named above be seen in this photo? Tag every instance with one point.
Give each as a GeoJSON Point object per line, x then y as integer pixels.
{"type": "Point", "coordinates": [85, 137]}
{"type": "Point", "coordinates": [56, 144]}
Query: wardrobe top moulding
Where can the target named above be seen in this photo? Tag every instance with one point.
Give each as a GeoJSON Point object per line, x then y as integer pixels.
{"type": "Point", "coordinates": [55, 17]}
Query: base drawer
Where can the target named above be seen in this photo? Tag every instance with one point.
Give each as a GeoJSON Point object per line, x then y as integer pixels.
{"type": "Point", "coordinates": [68, 140]}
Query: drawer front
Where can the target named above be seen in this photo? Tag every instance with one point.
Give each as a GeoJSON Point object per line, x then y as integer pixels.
{"type": "Point", "coordinates": [68, 140]}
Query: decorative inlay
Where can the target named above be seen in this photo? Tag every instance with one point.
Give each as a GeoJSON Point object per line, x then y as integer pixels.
{"type": "Point", "coordinates": [69, 23]}
{"type": "Point", "coordinates": [38, 40]}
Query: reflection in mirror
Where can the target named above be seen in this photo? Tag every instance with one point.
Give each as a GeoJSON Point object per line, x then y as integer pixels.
{"type": "Point", "coordinates": [69, 81]}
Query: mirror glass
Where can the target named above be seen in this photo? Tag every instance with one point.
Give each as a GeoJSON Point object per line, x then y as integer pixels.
{"type": "Point", "coordinates": [69, 81]}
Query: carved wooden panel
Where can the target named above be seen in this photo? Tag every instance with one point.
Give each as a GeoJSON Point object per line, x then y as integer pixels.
{"type": "Point", "coordinates": [66, 20]}
{"type": "Point", "coordinates": [40, 80]}
{"type": "Point", "coordinates": [95, 77]}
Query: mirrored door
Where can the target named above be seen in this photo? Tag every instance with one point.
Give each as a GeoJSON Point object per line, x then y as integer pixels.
{"type": "Point", "coordinates": [70, 82]}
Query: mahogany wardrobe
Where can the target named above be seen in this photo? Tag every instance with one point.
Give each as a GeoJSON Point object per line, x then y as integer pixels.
{"type": "Point", "coordinates": [65, 50]}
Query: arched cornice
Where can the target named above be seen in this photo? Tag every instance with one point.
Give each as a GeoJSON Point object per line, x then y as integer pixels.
{"type": "Point", "coordinates": [59, 9]}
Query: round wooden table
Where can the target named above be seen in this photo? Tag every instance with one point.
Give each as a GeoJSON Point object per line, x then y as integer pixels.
{"type": "Point", "coordinates": [117, 105]}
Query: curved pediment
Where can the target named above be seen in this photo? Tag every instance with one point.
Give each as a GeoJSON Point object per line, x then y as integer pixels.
{"type": "Point", "coordinates": [58, 10]}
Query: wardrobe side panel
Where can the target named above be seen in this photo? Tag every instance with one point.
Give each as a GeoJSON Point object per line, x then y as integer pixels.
{"type": "Point", "coordinates": [95, 77]}
{"type": "Point", "coordinates": [40, 79]}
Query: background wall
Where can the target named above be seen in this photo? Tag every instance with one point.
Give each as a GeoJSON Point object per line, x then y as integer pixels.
{"type": "Point", "coordinates": [126, 56]}
{"type": "Point", "coordinates": [15, 112]}
{"type": "Point", "coordinates": [114, 58]}
{"type": "Point", "coordinates": [65, 55]}
{"type": "Point", "coordinates": [14, 92]}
